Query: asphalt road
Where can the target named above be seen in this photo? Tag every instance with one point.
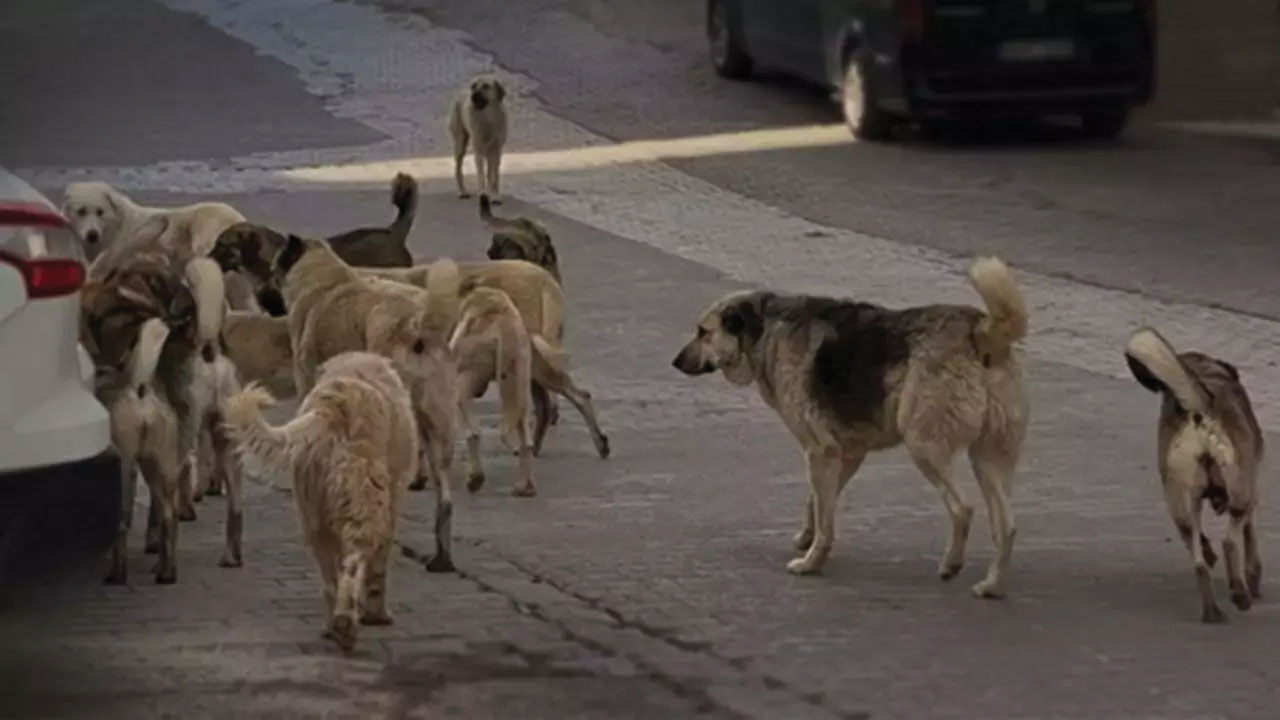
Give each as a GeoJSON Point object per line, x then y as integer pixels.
{"type": "Point", "coordinates": [652, 584]}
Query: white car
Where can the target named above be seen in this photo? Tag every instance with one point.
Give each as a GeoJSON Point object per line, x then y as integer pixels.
{"type": "Point", "coordinates": [55, 459]}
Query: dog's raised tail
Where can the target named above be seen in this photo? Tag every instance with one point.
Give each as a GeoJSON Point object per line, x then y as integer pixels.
{"type": "Point", "coordinates": [146, 354]}
{"type": "Point", "coordinates": [1006, 321]}
{"type": "Point", "coordinates": [444, 283]}
{"type": "Point", "coordinates": [1155, 365]}
{"type": "Point", "coordinates": [264, 449]}
{"type": "Point", "coordinates": [204, 276]}
{"type": "Point", "coordinates": [404, 196]}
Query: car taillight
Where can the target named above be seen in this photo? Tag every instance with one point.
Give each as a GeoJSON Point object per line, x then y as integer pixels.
{"type": "Point", "coordinates": [47, 277]}
{"type": "Point", "coordinates": [911, 13]}
{"type": "Point", "coordinates": [30, 215]}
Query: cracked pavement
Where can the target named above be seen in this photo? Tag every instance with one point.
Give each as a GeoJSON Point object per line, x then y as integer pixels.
{"type": "Point", "coordinates": [651, 585]}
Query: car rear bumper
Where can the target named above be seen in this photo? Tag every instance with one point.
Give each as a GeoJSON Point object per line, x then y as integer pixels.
{"type": "Point", "coordinates": [69, 426]}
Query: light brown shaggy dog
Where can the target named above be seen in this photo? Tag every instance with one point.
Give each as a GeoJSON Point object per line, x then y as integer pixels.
{"type": "Point", "coordinates": [334, 309]}
{"type": "Point", "coordinates": [540, 302]}
{"type": "Point", "coordinates": [490, 343]}
{"type": "Point", "coordinates": [1210, 447]}
{"type": "Point", "coordinates": [350, 451]}
{"type": "Point", "coordinates": [479, 118]}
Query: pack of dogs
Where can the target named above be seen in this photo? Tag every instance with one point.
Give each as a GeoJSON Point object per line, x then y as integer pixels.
{"type": "Point", "coordinates": [197, 319]}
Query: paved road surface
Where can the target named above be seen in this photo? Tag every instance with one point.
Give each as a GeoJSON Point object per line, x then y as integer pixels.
{"type": "Point", "coordinates": [652, 584]}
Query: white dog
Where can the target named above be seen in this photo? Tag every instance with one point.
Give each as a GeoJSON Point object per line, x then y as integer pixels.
{"type": "Point", "coordinates": [102, 216]}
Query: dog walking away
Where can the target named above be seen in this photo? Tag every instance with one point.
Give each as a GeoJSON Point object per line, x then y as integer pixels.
{"type": "Point", "coordinates": [519, 239]}
{"type": "Point", "coordinates": [383, 247]}
{"type": "Point", "coordinates": [479, 117]}
{"type": "Point", "coordinates": [1209, 448]}
{"type": "Point", "coordinates": [350, 452]}
{"type": "Point", "coordinates": [490, 343]}
{"type": "Point", "coordinates": [850, 377]}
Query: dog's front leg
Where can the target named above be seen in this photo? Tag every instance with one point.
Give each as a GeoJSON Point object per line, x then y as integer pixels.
{"type": "Point", "coordinates": [481, 173]}
{"type": "Point", "coordinates": [803, 539]}
{"type": "Point", "coordinates": [1252, 557]}
{"type": "Point", "coordinates": [226, 466]}
{"type": "Point", "coordinates": [826, 469]}
{"type": "Point", "coordinates": [493, 164]}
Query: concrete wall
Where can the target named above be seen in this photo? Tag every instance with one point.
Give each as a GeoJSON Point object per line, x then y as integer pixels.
{"type": "Point", "coordinates": [1218, 60]}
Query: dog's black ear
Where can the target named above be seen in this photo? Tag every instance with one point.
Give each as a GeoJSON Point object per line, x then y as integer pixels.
{"type": "Point", "coordinates": [745, 318]}
{"type": "Point", "coordinates": [292, 253]}
{"type": "Point", "coordinates": [549, 259]}
{"type": "Point", "coordinates": [500, 90]}
{"type": "Point", "coordinates": [1231, 370]}
{"type": "Point", "coordinates": [1145, 377]}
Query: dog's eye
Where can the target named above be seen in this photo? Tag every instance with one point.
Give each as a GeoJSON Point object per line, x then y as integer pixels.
{"type": "Point", "coordinates": [81, 212]}
{"type": "Point", "coordinates": [99, 212]}
{"type": "Point", "coordinates": [418, 347]}
{"type": "Point", "coordinates": [702, 332]}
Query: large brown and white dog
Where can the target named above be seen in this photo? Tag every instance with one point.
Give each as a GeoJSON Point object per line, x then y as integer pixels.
{"type": "Point", "coordinates": [479, 118]}
{"type": "Point", "coordinates": [160, 404]}
{"type": "Point", "coordinates": [332, 309]}
{"type": "Point", "coordinates": [350, 452]}
{"type": "Point", "coordinates": [848, 378]}
{"type": "Point", "coordinates": [1209, 448]}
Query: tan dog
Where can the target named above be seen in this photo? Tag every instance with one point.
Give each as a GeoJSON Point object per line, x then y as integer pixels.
{"type": "Point", "coordinates": [479, 117]}
{"type": "Point", "coordinates": [540, 301]}
{"type": "Point", "coordinates": [490, 343]}
{"type": "Point", "coordinates": [519, 239]}
{"type": "Point", "coordinates": [350, 452]}
{"type": "Point", "coordinates": [849, 378]}
{"type": "Point", "coordinates": [1210, 447]}
{"type": "Point", "coordinates": [258, 346]}
{"type": "Point", "coordinates": [333, 309]}
{"type": "Point", "coordinates": [189, 378]}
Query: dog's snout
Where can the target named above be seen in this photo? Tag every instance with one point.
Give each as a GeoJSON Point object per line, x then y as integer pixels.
{"type": "Point", "coordinates": [479, 100]}
{"type": "Point", "coordinates": [91, 237]}
{"type": "Point", "coordinates": [687, 362]}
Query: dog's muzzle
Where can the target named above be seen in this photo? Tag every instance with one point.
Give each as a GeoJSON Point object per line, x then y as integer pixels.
{"type": "Point", "coordinates": [272, 301]}
{"type": "Point", "coordinates": [91, 237]}
{"type": "Point", "coordinates": [688, 363]}
{"type": "Point", "coordinates": [479, 100]}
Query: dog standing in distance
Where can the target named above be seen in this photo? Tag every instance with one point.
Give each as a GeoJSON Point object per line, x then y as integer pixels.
{"type": "Point", "coordinates": [350, 451]}
{"type": "Point", "coordinates": [848, 378]}
{"type": "Point", "coordinates": [1209, 448]}
{"type": "Point", "coordinates": [479, 117]}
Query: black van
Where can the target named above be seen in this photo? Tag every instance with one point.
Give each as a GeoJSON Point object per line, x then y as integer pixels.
{"type": "Point", "coordinates": [933, 60]}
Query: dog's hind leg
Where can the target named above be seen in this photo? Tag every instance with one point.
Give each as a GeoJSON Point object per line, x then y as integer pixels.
{"type": "Point", "coordinates": [118, 566]}
{"type": "Point", "coordinates": [1184, 508]}
{"type": "Point", "coordinates": [935, 464]}
{"type": "Point", "coordinates": [440, 460]}
{"type": "Point", "coordinates": [163, 479]}
{"type": "Point", "coordinates": [187, 483]}
{"type": "Point", "coordinates": [475, 472]}
{"type": "Point", "coordinates": [154, 536]}
{"type": "Point", "coordinates": [559, 382]}
{"type": "Point", "coordinates": [227, 466]}
{"type": "Point", "coordinates": [1252, 558]}
{"type": "Point", "coordinates": [993, 467]}
{"type": "Point", "coordinates": [1233, 551]}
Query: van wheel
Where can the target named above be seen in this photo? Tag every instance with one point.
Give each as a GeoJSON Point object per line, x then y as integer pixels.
{"type": "Point", "coordinates": [728, 56]}
{"type": "Point", "coordinates": [1106, 123]}
{"type": "Point", "coordinates": [858, 101]}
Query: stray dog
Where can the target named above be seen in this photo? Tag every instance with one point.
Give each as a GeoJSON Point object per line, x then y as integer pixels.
{"type": "Point", "coordinates": [1210, 447]}
{"type": "Point", "coordinates": [112, 228]}
{"type": "Point", "coordinates": [848, 378]}
{"type": "Point", "coordinates": [333, 309]}
{"type": "Point", "coordinates": [383, 247]}
{"type": "Point", "coordinates": [350, 451]}
{"type": "Point", "coordinates": [479, 117]}
{"type": "Point", "coordinates": [490, 343]}
{"type": "Point", "coordinates": [540, 301]}
{"type": "Point", "coordinates": [258, 346]}
{"type": "Point", "coordinates": [520, 239]}
{"type": "Point", "coordinates": [176, 395]}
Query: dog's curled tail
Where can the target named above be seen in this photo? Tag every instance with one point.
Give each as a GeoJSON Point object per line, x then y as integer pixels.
{"type": "Point", "coordinates": [146, 354]}
{"type": "Point", "coordinates": [204, 276]}
{"type": "Point", "coordinates": [444, 283]}
{"type": "Point", "coordinates": [264, 449]}
{"type": "Point", "coordinates": [1006, 321]}
{"type": "Point", "coordinates": [1155, 365]}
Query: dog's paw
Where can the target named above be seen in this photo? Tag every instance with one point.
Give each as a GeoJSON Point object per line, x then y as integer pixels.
{"type": "Point", "coordinates": [440, 564]}
{"type": "Point", "coordinates": [419, 484]}
{"type": "Point", "coordinates": [802, 566]}
{"type": "Point", "coordinates": [1254, 580]}
{"type": "Point", "coordinates": [524, 490]}
{"type": "Point", "coordinates": [117, 575]}
{"type": "Point", "coordinates": [187, 514]}
{"type": "Point", "coordinates": [167, 576]}
{"type": "Point", "coordinates": [988, 589]}
{"type": "Point", "coordinates": [1241, 598]}
{"type": "Point", "coordinates": [602, 447]}
{"type": "Point", "coordinates": [464, 195]}
{"type": "Point", "coordinates": [214, 490]}
{"type": "Point", "coordinates": [1213, 615]}
{"type": "Point", "coordinates": [230, 561]}
{"type": "Point", "coordinates": [343, 632]}
{"type": "Point", "coordinates": [475, 481]}
{"type": "Point", "coordinates": [152, 547]}
{"type": "Point", "coordinates": [948, 569]}
{"type": "Point", "coordinates": [376, 619]}
{"type": "Point", "coordinates": [802, 540]}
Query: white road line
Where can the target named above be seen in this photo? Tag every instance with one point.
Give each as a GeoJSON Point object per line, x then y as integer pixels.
{"type": "Point", "coordinates": [398, 73]}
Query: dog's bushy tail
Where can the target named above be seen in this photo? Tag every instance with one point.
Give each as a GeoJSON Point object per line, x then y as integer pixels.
{"type": "Point", "coordinates": [444, 283]}
{"type": "Point", "coordinates": [146, 354]}
{"type": "Point", "coordinates": [264, 449]}
{"type": "Point", "coordinates": [204, 277]}
{"type": "Point", "coordinates": [1006, 321]}
{"type": "Point", "coordinates": [404, 196]}
{"type": "Point", "coordinates": [1155, 365]}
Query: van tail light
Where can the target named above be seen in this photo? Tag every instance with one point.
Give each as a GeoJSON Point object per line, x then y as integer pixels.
{"type": "Point", "coordinates": [44, 277]}
{"type": "Point", "coordinates": [47, 277]}
{"type": "Point", "coordinates": [911, 15]}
